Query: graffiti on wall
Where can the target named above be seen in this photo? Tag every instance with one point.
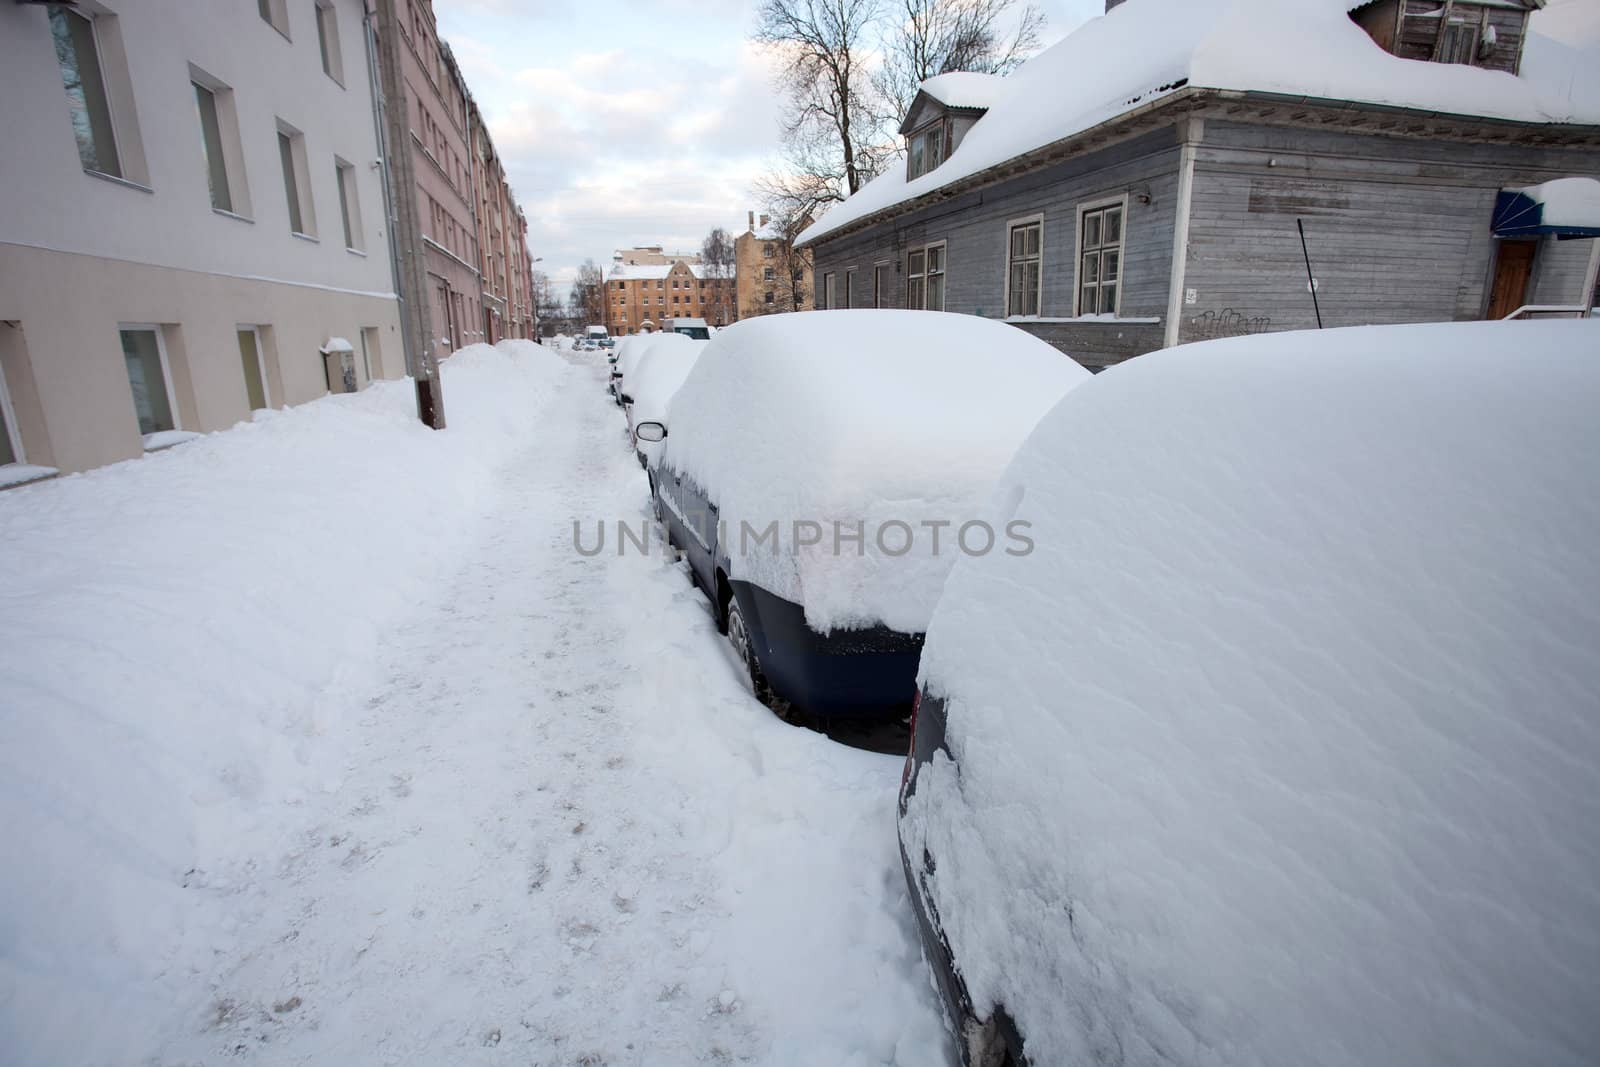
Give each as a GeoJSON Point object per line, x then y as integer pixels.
{"type": "Point", "coordinates": [1226, 323]}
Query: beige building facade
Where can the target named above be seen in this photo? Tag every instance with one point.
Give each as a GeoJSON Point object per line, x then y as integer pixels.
{"type": "Point", "coordinates": [770, 274]}
{"type": "Point", "coordinates": [195, 228]}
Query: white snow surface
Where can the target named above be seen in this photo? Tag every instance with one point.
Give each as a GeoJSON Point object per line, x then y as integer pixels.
{"type": "Point", "coordinates": [1283, 746]}
{"type": "Point", "coordinates": [861, 418]}
{"type": "Point", "coordinates": [964, 88]}
{"type": "Point", "coordinates": [1568, 201]}
{"type": "Point", "coordinates": [320, 743]}
{"type": "Point", "coordinates": [1145, 49]}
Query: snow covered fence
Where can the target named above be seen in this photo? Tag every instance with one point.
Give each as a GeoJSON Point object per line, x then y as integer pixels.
{"type": "Point", "coordinates": [177, 629]}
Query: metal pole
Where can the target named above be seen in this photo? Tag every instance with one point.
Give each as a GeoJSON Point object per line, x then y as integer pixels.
{"type": "Point", "coordinates": [405, 227]}
{"type": "Point", "coordinates": [1310, 278]}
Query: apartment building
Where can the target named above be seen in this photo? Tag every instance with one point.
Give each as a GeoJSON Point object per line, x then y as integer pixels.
{"type": "Point", "coordinates": [642, 297]}
{"type": "Point", "coordinates": [502, 227]}
{"type": "Point", "coordinates": [437, 105]}
{"type": "Point", "coordinates": [192, 226]}
{"type": "Point", "coordinates": [770, 274]}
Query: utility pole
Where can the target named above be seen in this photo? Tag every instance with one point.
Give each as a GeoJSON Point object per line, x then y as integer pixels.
{"type": "Point", "coordinates": [405, 225]}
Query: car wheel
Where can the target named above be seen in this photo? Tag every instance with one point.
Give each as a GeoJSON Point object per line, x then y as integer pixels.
{"type": "Point", "coordinates": [744, 648]}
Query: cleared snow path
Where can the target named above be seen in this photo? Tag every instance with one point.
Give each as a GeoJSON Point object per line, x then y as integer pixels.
{"type": "Point", "coordinates": [565, 833]}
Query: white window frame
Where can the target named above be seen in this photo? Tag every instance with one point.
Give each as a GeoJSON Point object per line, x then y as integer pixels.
{"type": "Point", "coordinates": [879, 290]}
{"type": "Point", "coordinates": [302, 181]}
{"type": "Point", "coordinates": [9, 413]}
{"type": "Point", "coordinates": [1011, 225]}
{"type": "Point", "coordinates": [350, 220]}
{"type": "Point", "coordinates": [166, 369]}
{"type": "Point", "coordinates": [849, 287]}
{"type": "Point", "coordinates": [127, 145]}
{"type": "Point", "coordinates": [1086, 208]}
{"type": "Point", "coordinates": [279, 12]}
{"type": "Point", "coordinates": [927, 160]}
{"type": "Point", "coordinates": [925, 274]}
{"type": "Point", "coordinates": [830, 291]}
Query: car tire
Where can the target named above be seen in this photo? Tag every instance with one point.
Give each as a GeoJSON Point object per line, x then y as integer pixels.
{"type": "Point", "coordinates": [744, 648]}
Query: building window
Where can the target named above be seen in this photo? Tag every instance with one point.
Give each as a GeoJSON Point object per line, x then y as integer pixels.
{"type": "Point", "coordinates": [211, 142]}
{"type": "Point", "coordinates": [328, 41]}
{"type": "Point", "coordinates": [925, 151]}
{"type": "Point", "coordinates": [252, 361]}
{"type": "Point", "coordinates": [766, 250]}
{"type": "Point", "coordinates": [296, 187]}
{"type": "Point", "coordinates": [925, 278]}
{"type": "Point", "coordinates": [275, 13]}
{"type": "Point", "coordinates": [1100, 233]}
{"type": "Point", "coordinates": [344, 176]}
{"type": "Point", "coordinates": [769, 298]}
{"type": "Point", "coordinates": [78, 55]}
{"type": "Point", "coordinates": [10, 439]}
{"type": "Point", "coordinates": [880, 285]}
{"type": "Point", "coordinates": [1024, 258]}
{"type": "Point", "coordinates": [850, 288]}
{"type": "Point", "coordinates": [829, 296]}
{"type": "Point", "coordinates": [767, 275]}
{"type": "Point", "coordinates": [150, 379]}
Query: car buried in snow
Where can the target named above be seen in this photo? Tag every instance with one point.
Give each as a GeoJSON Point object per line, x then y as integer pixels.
{"type": "Point", "coordinates": [658, 374]}
{"type": "Point", "coordinates": [1283, 745]}
{"type": "Point", "coordinates": [813, 462]}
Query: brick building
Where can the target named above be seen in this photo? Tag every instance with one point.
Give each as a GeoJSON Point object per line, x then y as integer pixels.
{"type": "Point", "coordinates": [644, 295]}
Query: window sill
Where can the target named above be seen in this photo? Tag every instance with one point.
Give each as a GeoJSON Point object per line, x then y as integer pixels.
{"type": "Point", "coordinates": [233, 215]}
{"type": "Point", "coordinates": [1103, 320]}
{"type": "Point", "coordinates": [334, 80]}
{"type": "Point", "coordinates": [114, 180]}
{"type": "Point", "coordinates": [15, 474]}
{"type": "Point", "coordinates": [304, 237]}
{"type": "Point", "coordinates": [165, 439]}
{"type": "Point", "coordinates": [355, 251]}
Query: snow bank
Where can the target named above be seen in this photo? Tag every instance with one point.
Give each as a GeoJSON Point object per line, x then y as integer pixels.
{"type": "Point", "coordinates": [178, 629]}
{"type": "Point", "coordinates": [1282, 747]}
{"type": "Point", "coordinates": [1146, 49]}
{"type": "Point", "coordinates": [859, 417]}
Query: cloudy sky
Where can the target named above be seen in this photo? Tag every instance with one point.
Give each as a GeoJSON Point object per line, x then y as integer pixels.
{"type": "Point", "coordinates": [627, 122]}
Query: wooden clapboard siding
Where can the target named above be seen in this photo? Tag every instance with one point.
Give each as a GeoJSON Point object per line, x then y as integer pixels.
{"type": "Point", "coordinates": [1398, 229]}
{"type": "Point", "coordinates": [1419, 30]}
{"type": "Point", "coordinates": [973, 227]}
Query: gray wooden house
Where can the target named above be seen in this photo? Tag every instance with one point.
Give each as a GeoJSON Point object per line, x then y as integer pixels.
{"type": "Point", "coordinates": [1146, 181]}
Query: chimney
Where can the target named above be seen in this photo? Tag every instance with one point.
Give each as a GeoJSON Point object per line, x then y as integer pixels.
{"type": "Point", "coordinates": [752, 222]}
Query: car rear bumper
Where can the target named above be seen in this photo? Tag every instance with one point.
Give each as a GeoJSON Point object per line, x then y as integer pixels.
{"type": "Point", "coordinates": [860, 674]}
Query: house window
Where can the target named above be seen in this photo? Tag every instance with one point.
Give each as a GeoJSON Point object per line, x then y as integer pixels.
{"type": "Point", "coordinates": [211, 142]}
{"type": "Point", "coordinates": [344, 176]}
{"type": "Point", "coordinates": [849, 288]}
{"type": "Point", "coordinates": [1024, 256]}
{"type": "Point", "coordinates": [880, 284]}
{"type": "Point", "coordinates": [253, 364]}
{"type": "Point", "coordinates": [925, 151]}
{"type": "Point", "coordinates": [149, 378]}
{"type": "Point", "coordinates": [78, 55]}
{"type": "Point", "coordinates": [1100, 233]}
{"type": "Point", "coordinates": [275, 13]}
{"type": "Point", "coordinates": [328, 41]}
{"type": "Point", "coordinates": [769, 298]}
{"type": "Point", "coordinates": [925, 278]}
{"type": "Point", "coordinates": [828, 295]}
{"type": "Point", "coordinates": [296, 187]}
{"type": "Point", "coordinates": [10, 440]}
{"type": "Point", "coordinates": [766, 250]}
{"type": "Point", "coordinates": [768, 274]}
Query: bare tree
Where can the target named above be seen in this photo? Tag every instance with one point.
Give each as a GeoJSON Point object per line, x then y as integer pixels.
{"type": "Point", "coordinates": [718, 258]}
{"type": "Point", "coordinates": [588, 297]}
{"type": "Point", "coordinates": [547, 305]}
{"type": "Point", "coordinates": [932, 37]}
{"type": "Point", "coordinates": [832, 123]}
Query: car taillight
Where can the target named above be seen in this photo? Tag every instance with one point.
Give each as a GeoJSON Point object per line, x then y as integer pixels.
{"type": "Point", "coordinates": [911, 744]}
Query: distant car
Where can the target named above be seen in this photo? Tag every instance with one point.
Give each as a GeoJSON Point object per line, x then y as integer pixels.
{"type": "Point", "coordinates": [608, 342]}
{"type": "Point", "coordinates": [827, 420]}
{"type": "Point", "coordinates": [1283, 744]}
{"type": "Point", "coordinates": [695, 328]}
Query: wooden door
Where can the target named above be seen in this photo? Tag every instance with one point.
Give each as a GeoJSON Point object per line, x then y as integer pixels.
{"type": "Point", "coordinates": [1512, 271]}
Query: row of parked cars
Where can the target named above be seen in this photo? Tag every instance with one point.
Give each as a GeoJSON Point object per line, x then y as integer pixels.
{"type": "Point", "coordinates": [1255, 683]}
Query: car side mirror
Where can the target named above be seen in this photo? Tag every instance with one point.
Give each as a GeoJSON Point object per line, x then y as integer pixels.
{"type": "Point", "coordinates": [651, 431]}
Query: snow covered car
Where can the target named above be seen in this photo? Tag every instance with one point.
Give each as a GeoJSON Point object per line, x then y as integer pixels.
{"type": "Point", "coordinates": [624, 346]}
{"type": "Point", "coordinates": [652, 385]}
{"type": "Point", "coordinates": [628, 356]}
{"type": "Point", "coordinates": [813, 462]}
{"type": "Point", "coordinates": [1283, 745]}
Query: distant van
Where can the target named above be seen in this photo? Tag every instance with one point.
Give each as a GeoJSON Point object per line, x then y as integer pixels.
{"type": "Point", "coordinates": [695, 328]}
{"type": "Point", "coordinates": [594, 333]}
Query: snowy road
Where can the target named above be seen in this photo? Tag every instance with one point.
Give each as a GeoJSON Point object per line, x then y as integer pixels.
{"type": "Point", "coordinates": [565, 834]}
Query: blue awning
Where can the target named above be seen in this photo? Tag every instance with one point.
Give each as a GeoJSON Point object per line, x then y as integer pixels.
{"type": "Point", "coordinates": [1566, 208]}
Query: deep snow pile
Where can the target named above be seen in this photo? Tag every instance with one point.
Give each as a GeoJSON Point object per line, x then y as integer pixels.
{"type": "Point", "coordinates": [1283, 746]}
{"type": "Point", "coordinates": [858, 421]}
{"type": "Point", "coordinates": [1145, 49]}
{"type": "Point", "coordinates": [178, 631]}
{"type": "Point", "coordinates": [657, 379]}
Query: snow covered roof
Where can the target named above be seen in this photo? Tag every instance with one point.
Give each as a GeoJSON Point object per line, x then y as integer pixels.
{"type": "Point", "coordinates": [1313, 732]}
{"type": "Point", "coordinates": [964, 89]}
{"type": "Point", "coordinates": [651, 271]}
{"type": "Point", "coordinates": [1144, 50]}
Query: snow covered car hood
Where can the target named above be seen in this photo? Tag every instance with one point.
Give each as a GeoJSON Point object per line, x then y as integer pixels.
{"type": "Point", "coordinates": [865, 419]}
{"type": "Point", "coordinates": [1282, 746]}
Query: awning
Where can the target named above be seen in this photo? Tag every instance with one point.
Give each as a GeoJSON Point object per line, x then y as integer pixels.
{"type": "Point", "coordinates": [1566, 208]}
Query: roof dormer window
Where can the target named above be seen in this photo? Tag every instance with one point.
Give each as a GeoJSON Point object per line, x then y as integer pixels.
{"type": "Point", "coordinates": [925, 150]}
